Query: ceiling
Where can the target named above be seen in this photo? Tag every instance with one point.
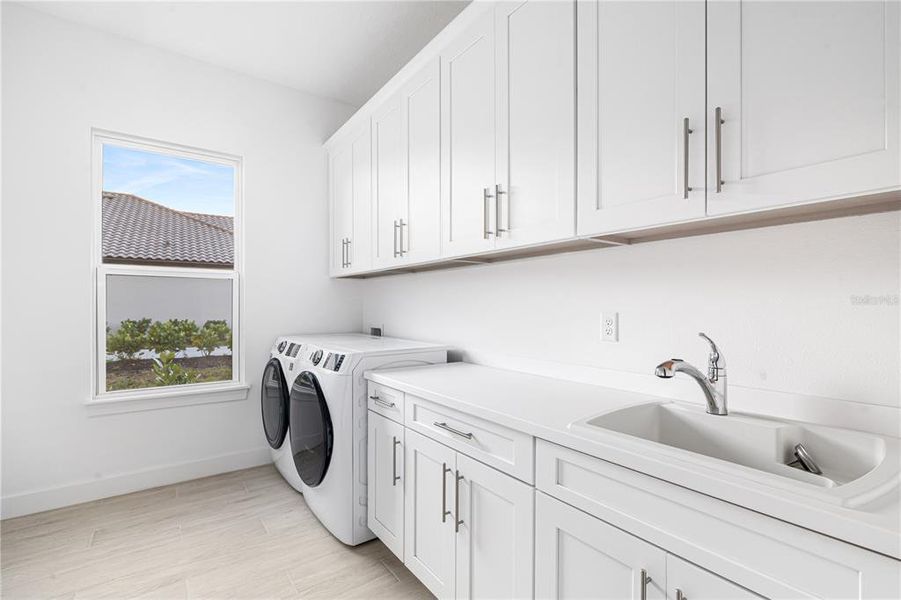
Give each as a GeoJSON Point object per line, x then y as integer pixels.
{"type": "Point", "coordinates": [345, 50]}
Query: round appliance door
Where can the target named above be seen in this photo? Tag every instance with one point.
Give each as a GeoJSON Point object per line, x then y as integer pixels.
{"type": "Point", "coordinates": [311, 429]}
{"type": "Point", "coordinates": [274, 403]}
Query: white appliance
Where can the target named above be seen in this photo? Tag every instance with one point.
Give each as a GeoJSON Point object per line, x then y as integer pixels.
{"type": "Point", "coordinates": [314, 416]}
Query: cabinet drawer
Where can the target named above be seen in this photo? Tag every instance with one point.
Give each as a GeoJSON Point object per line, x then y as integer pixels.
{"type": "Point", "coordinates": [760, 553]}
{"type": "Point", "coordinates": [386, 401]}
{"type": "Point", "coordinates": [504, 449]}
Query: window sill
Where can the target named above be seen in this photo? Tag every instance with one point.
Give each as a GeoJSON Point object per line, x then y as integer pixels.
{"type": "Point", "coordinates": [115, 403]}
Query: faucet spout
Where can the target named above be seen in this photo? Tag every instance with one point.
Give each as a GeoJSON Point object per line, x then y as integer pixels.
{"type": "Point", "coordinates": [713, 385]}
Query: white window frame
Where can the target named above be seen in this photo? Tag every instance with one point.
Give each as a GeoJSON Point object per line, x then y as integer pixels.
{"type": "Point", "coordinates": [112, 402]}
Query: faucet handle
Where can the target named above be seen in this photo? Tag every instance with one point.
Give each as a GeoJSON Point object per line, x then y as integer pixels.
{"type": "Point", "coordinates": [715, 362]}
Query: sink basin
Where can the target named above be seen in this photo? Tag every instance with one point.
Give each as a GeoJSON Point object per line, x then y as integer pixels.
{"type": "Point", "coordinates": [856, 467]}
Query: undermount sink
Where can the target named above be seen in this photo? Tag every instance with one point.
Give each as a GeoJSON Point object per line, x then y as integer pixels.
{"type": "Point", "coordinates": [856, 467]}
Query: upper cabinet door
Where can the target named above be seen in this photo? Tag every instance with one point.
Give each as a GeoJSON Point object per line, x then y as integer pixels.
{"type": "Point", "coordinates": [494, 544]}
{"type": "Point", "coordinates": [641, 114]}
{"type": "Point", "coordinates": [535, 149]}
{"type": "Point", "coordinates": [578, 556]}
{"type": "Point", "coordinates": [341, 192]}
{"type": "Point", "coordinates": [808, 95]}
{"type": "Point", "coordinates": [389, 182]}
{"type": "Point", "coordinates": [468, 135]}
{"type": "Point", "coordinates": [421, 232]}
{"type": "Point", "coordinates": [359, 249]}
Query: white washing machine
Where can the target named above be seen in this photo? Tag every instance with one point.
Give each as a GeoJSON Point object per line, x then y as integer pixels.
{"type": "Point", "coordinates": [314, 416]}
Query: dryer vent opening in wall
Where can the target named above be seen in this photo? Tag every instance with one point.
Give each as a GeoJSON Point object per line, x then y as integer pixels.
{"type": "Point", "coordinates": [375, 331]}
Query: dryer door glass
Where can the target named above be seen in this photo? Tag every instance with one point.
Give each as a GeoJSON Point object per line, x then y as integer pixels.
{"type": "Point", "coordinates": [311, 429]}
{"type": "Point", "coordinates": [274, 403]}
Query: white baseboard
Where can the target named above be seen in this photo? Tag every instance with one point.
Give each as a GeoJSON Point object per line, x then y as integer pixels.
{"type": "Point", "coordinates": [26, 503]}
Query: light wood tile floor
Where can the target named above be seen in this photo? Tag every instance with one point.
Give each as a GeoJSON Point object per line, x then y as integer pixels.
{"type": "Point", "coordinates": [245, 534]}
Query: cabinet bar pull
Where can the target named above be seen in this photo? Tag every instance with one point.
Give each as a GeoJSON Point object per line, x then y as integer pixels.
{"type": "Point", "coordinates": [645, 580]}
{"type": "Point", "coordinates": [343, 252]}
{"type": "Point", "coordinates": [447, 427]}
{"type": "Point", "coordinates": [686, 131]}
{"type": "Point", "coordinates": [498, 192]}
{"type": "Point", "coordinates": [680, 595]}
{"type": "Point", "coordinates": [718, 134]}
{"type": "Point", "coordinates": [381, 402]}
{"type": "Point", "coordinates": [444, 511]}
{"type": "Point", "coordinates": [396, 229]}
{"type": "Point", "coordinates": [394, 461]}
{"type": "Point", "coordinates": [486, 213]}
{"type": "Point", "coordinates": [349, 260]}
{"type": "Point", "coordinates": [457, 520]}
{"type": "Point", "coordinates": [401, 244]}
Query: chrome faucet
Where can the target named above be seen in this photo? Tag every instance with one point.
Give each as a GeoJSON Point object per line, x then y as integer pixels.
{"type": "Point", "coordinates": [713, 385]}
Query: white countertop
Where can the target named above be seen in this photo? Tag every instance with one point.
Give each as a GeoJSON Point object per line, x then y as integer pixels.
{"type": "Point", "coordinates": [545, 407]}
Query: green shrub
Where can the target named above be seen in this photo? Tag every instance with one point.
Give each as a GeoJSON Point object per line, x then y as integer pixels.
{"type": "Point", "coordinates": [212, 335]}
{"type": "Point", "coordinates": [168, 372]}
{"type": "Point", "coordinates": [129, 339]}
{"type": "Point", "coordinates": [173, 335]}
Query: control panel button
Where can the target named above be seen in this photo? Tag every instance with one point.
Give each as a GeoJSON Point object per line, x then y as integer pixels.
{"type": "Point", "coordinates": [282, 345]}
{"type": "Point", "coordinates": [317, 356]}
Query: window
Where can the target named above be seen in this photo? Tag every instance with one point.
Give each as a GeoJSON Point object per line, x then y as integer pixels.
{"type": "Point", "coordinates": [167, 270]}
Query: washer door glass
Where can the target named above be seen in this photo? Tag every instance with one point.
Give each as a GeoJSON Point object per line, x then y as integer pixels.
{"type": "Point", "coordinates": [311, 429]}
{"type": "Point", "coordinates": [274, 403]}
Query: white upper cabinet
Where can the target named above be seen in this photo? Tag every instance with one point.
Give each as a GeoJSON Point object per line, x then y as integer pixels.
{"type": "Point", "coordinates": [808, 94]}
{"type": "Point", "coordinates": [389, 185]}
{"type": "Point", "coordinates": [641, 114]}
{"type": "Point", "coordinates": [535, 106]}
{"type": "Point", "coordinates": [350, 190]}
{"type": "Point", "coordinates": [468, 136]}
{"type": "Point", "coordinates": [421, 230]}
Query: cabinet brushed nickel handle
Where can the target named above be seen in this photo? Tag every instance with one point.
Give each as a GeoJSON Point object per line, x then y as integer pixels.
{"type": "Point", "coordinates": [401, 244]}
{"type": "Point", "coordinates": [343, 252]}
{"type": "Point", "coordinates": [394, 461]}
{"type": "Point", "coordinates": [396, 229]}
{"type": "Point", "coordinates": [686, 131]}
{"type": "Point", "coordinates": [457, 521]}
{"type": "Point", "coordinates": [486, 213]}
{"type": "Point", "coordinates": [645, 580]}
{"type": "Point", "coordinates": [444, 511]}
{"type": "Point", "coordinates": [718, 134]}
{"type": "Point", "coordinates": [498, 192]}
{"type": "Point", "coordinates": [680, 595]}
{"type": "Point", "coordinates": [447, 427]}
{"type": "Point", "coordinates": [349, 252]}
{"type": "Point", "coordinates": [381, 402]}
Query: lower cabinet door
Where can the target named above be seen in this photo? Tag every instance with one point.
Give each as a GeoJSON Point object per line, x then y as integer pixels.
{"type": "Point", "coordinates": [430, 513]}
{"type": "Point", "coordinates": [579, 556]}
{"type": "Point", "coordinates": [385, 506]}
{"type": "Point", "coordinates": [688, 582]}
{"type": "Point", "coordinates": [494, 542]}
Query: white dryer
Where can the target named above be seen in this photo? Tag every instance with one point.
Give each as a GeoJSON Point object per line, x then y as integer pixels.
{"type": "Point", "coordinates": [314, 415]}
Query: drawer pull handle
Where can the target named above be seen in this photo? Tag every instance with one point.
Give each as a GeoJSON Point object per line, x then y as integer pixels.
{"type": "Point", "coordinates": [645, 580]}
{"type": "Point", "coordinates": [444, 511]}
{"type": "Point", "coordinates": [447, 427]}
{"type": "Point", "coordinates": [381, 402]}
{"type": "Point", "coordinates": [394, 461]}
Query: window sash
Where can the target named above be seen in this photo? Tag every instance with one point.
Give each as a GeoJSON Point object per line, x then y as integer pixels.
{"type": "Point", "coordinates": [102, 270]}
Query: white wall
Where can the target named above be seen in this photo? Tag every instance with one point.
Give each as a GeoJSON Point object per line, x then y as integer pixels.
{"type": "Point", "coordinates": [778, 300]}
{"type": "Point", "coordinates": [59, 80]}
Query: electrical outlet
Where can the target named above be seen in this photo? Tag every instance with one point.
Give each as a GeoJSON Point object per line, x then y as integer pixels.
{"type": "Point", "coordinates": [610, 327]}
